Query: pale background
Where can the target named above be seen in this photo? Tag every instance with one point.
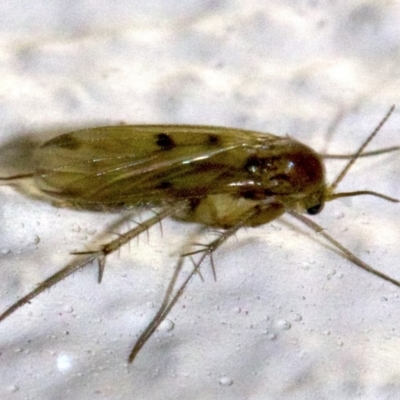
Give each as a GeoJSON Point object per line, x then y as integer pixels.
{"type": "Point", "coordinates": [287, 318]}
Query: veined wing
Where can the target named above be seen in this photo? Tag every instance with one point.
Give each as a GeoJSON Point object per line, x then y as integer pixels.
{"type": "Point", "coordinates": [142, 164]}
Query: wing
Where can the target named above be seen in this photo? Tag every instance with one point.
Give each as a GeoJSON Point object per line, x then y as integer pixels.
{"type": "Point", "coordinates": [149, 164]}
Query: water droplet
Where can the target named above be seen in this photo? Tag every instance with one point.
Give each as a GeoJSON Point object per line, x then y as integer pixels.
{"type": "Point", "coordinates": [68, 309]}
{"type": "Point", "coordinates": [90, 231]}
{"type": "Point", "coordinates": [75, 228]}
{"type": "Point", "coordinates": [64, 363]}
{"type": "Point", "coordinates": [34, 239]}
{"type": "Point", "coordinates": [330, 274]}
{"type": "Point", "coordinates": [226, 381]}
{"type": "Point", "coordinates": [166, 326]}
{"type": "Point", "coordinates": [12, 388]}
{"type": "Point", "coordinates": [296, 317]}
{"type": "Point", "coordinates": [305, 266]}
{"type": "Point", "coordinates": [82, 237]}
{"type": "Point", "coordinates": [150, 304]}
{"type": "Point", "coordinates": [283, 325]}
{"type": "Point", "coordinates": [271, 336]}
{"type": "Point", "coordinates": [338, 214]}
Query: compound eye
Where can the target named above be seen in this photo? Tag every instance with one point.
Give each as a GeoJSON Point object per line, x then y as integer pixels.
{"type": "Point", "coordinates": [315, 209]}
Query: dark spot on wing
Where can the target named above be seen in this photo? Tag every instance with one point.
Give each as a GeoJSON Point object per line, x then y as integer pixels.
{"type": "Point", "coordinates": [252, 165]}
{"type": "Point", "coordinates": [193, 203]}
{"type": "Point", "coordinates": [256, 194]}
{"type": "Point", "coordinates": [212, 140]}
{"type": "Point", "coordinates": [280, 178]}
{"type": "Point", "coordinates": [66, 141]}
{"type": "Point", "coordinates": [164, 141]}
{"type": "Point", "coordinates": [164, 185]}
{"type": "Point", "coordinates": [248, 194]}
{"type": "Point", "coordinates": [251, 194]}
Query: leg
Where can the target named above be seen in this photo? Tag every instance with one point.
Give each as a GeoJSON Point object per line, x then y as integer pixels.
{"type": "Point", "coordinates": [347, 253]}
{"type": "Point", "coordinates": [170, 297]}
{"type": "Point", "coordinates": [99, 255]}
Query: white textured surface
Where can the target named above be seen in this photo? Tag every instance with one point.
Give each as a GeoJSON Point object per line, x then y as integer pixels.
{"type": "Point", "coordinates": [288, 318]}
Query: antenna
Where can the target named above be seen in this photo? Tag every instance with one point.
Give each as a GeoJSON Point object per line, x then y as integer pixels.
{"type": "Point", "coordinates": [331, 196]}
